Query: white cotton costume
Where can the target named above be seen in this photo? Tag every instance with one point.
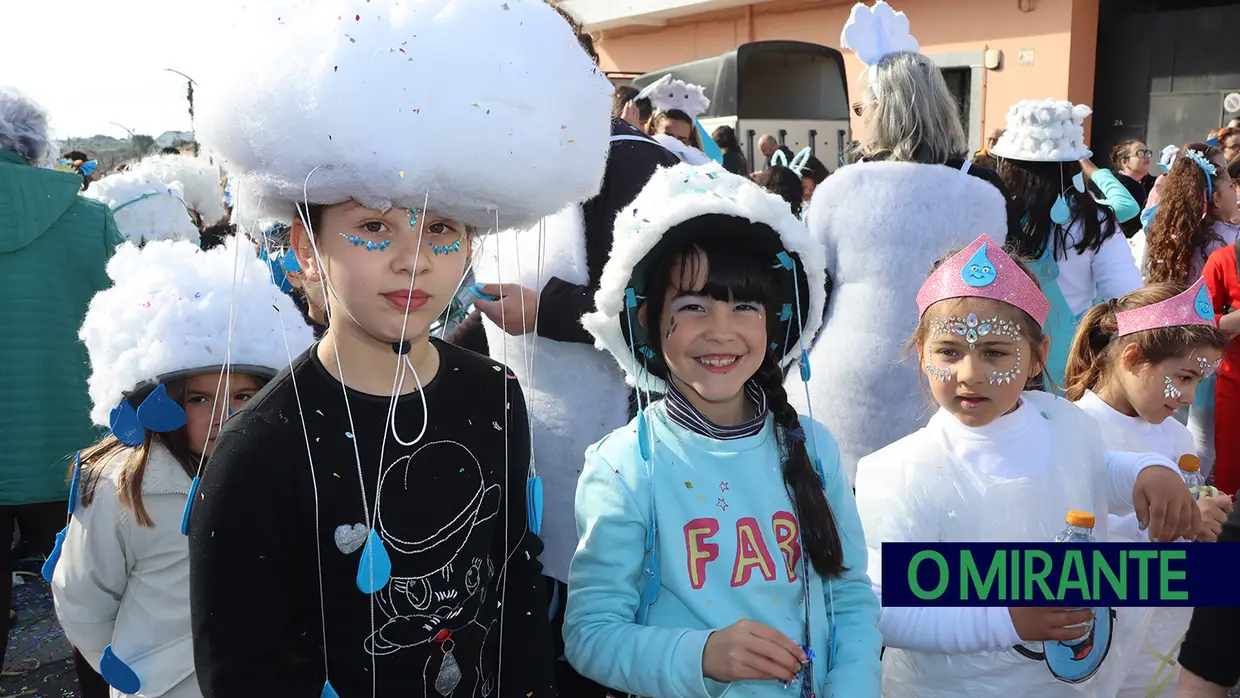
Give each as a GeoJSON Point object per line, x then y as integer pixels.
{"type": "Point", "coordinates": [172, 311]}
{"type": "Point", "coordinates": [573, 391]}
{"type": "Point", "coordinates": [145, 207]}
{"type": "Point", "coordinates": [1167, 626]}
{"type": "Point", "coordinates": [883, 225]}
{"type": "Point", "coordinates": [1012, 480]}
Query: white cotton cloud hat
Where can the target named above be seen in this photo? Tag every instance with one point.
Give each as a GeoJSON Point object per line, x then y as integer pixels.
{"type": "Point", "coordinates": [475, 107]}
{"type": "Point", "coordinates": [683, 203]}
{"type": "Point", "coordinates": [201, 181]}
{"type": "Point", "coordinates": [1046, 130]}
{"type": "Point", "coordinates": [146, 208]}
{"type": "Point", "coordinates": [170, 312]}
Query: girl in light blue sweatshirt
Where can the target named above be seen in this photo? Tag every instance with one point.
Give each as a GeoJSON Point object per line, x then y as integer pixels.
{"type": "Point", "coordinates": [720, 547]}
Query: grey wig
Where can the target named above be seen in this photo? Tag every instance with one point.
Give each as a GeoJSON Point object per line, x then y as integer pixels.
{"type": "Point", "coordinates": [914, 118]}
{"type": "Point", "coordinates": [23, 125]}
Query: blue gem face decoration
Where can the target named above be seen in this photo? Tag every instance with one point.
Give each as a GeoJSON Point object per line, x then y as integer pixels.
{"type": "Point", "coordinates": [370, 245]}
{"type": "Point", "coordinates": [979, 272]}
{"type": "Point", "coordinates": [444, 249]}
{"type": "Point", "coordinates": [117, 673]}
{"type": "Point", "coordinates": [413, 217]}
{"type": "Point", "coordinates": [160, 413]}
{"type": "Point", "coordinates": [375, 567]}
{"type": "Point", "coordinates": [1203, 306]}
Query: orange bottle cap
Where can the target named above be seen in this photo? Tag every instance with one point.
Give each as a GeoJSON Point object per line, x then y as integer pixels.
{"type": "Point", "coordinates": [1084, 519]}
{"type": "Point", "coordinates": [1190, 463]}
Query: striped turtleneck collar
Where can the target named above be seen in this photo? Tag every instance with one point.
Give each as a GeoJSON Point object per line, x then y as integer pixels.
{"type": "Point", "coordinates": [683, 413]}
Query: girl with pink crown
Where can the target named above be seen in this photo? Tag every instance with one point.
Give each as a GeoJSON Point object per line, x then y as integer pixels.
{"type": "Point", "coordinates": [998, 464]}
{"type": "Point", "coordinates": [1134, 362]}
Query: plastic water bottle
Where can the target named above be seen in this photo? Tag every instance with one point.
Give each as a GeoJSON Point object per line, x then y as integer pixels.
{"type": "Point", "coordinates": [1080, 529]}
{"type": "Point", "coordinates": [1190, 470]}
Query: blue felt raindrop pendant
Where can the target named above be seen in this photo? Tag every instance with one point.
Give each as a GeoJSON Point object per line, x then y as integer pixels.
{"type": "Point", "coordinates": [160, 413]}
{"type": "Point", "coordinates": [75, 482]}
{"type": "Point", "coordinates": [117, 673]}
{"type": "Point", "coordinates": [805, 372]}
{"type": "Point", "coordinates": [1203, 305]}
{"type": "Point", "coordinates": [375, 568]}
{"type": "Point", "coordinates": [534, 503]}
{"type": "Point", "coordinates": [1078, 182]}
{"type": "Point", "coordinates": [125, 426]}
{"type": "Point", "coordinates": [328, 691]}
{"type": "Point", "coordinates": [189, 506]}
{"type": "Point", "coordinates": [709, 146]}
{"type": "Point", "coordinates": [49, 565]}
{"type": "Point", "coordinates": [978, 271]}
{"type": "Point", "coordinates": [643, 437]}
{"type": "Point", "coordinates": [1060, 213]}
{"type": "Point", "coordinates": [289, 261]}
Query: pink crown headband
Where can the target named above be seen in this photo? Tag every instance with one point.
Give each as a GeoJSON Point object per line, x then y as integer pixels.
{"type": "Point", "coordinates": [1192, 307]}
{"type": "Point", "coordinates": [972, 273]}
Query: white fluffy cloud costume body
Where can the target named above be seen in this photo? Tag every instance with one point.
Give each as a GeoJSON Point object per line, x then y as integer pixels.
{"type": "Point", "coordinates": [174, 308]}
{"type": "Point", "coordinates": [883, 225]}
{"type": "Point", "coordinates": [467, 107]}
{"type": "Point", "coordinates": [145, 206]}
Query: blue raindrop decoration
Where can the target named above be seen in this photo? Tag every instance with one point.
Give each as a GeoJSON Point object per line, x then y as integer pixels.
{"type": "Point", "coordinates": [978, 271]}
{"type": "Point", "coordinates": [534, 503]}
{"type": "Point", "coordinates": [1078, 182]}
{"type": "Point", "coordinates": [49, 565]}
{"type": "Point", "coordinates": [289, 262]}
{"type": "Point", "coordinates": [1203, 305]}
{"type": "Point", "coordinates": [160, 413]}
{"type": "Point", "coordinates": [328, 691]}
{"type": "Point", "coordinates": [375, 568]}
{"type": "Point", "coordinates": [805, 372]}
{"type": "Point", "coordinates": [189, 506]}
{"type": "Point", "coordinates": [117, 673]}
{"type": "Point", "coordinates": [709, 146]}
{"type": "Point", "coordinates": [643, 437]}
{"type": "Point", "coordinates": [1060, 212]}
{"type": "Point", "coordinates": [123, 421]}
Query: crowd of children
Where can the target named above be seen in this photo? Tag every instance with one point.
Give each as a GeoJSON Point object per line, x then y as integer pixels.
{"type": "Point", "coordinates": [359, 510]}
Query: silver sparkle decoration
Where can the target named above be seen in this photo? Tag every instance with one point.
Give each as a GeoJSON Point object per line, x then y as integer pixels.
{"type": "Point", "coordinates": [1001, 377]}
{"type": "Point", "coordinates": [973, 329]}
{"type": "Point", "coordinates": [1171, 391]}
{"type": "Point", "coordinates": [939, 374]}
{"type": "Point", "coordinates": [1207, 366]}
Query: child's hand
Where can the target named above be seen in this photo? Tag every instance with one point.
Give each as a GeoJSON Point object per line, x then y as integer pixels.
{"type": "Point", "coordinates": [1164, 505]}
{"type": "Point", "coordinates": [750, 650]}
{"type": "Point", "coordinates": [1214, 510]}
{"type": "Point", "coordinates": [1036, 624]}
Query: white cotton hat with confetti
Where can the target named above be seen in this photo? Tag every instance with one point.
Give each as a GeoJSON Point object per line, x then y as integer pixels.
{"type": "Point", "coordinates": [1047, 130]}
{"type": "Point", "coordinates": [477, 107]}
{"type": "Point", "coordinates": [201, 181]}
{"type": "Point", "coordinates": [146, 208]}
{"type": "Point", "coordinates": [174, 310]}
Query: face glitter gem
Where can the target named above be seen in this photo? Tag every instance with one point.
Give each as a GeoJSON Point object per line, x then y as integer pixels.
{"type": "Point", "coordinates": [1207, 366]}
{"type": "Point", "coordinates": [1171, 391]}
{"type": "Point", "coordinates": [943, 375]}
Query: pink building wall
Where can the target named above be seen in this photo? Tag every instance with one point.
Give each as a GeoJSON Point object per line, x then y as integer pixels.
{"type": "Point", "coordinates": [1060, 34]}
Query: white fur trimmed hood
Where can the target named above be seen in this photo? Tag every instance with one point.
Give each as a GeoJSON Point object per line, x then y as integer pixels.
{"type": "Point", "coordinates": [170, 309]}
{"type": "Point", "coordinates": [674, 196]}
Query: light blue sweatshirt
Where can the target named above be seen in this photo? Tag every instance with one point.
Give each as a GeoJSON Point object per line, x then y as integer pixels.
{"type": "Point", "coordinates": [728, 550]}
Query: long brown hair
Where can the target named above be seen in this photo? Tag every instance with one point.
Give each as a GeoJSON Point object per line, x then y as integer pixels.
{"type": "Point", "coordinates": [1095, 355]}
{"type": "Point", "coordinates": [660, 118]}
{"type": "Point", "coordinates": [1184, 224]}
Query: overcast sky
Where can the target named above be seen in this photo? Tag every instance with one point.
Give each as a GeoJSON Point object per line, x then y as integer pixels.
{"type": "Point", "coordinates": [91, 62]}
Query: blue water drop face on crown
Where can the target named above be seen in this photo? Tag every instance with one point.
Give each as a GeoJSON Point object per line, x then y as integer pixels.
{"type": "Point", "coordinates": [1203, 305]}
{"type": "Point", "coordinates": [375, 567]}
{"type": "Point", "coordinates": [978, 271]}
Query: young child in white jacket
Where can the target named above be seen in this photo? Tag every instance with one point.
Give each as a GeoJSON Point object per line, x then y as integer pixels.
{"type": "Point", "coordinates": [180, 341]}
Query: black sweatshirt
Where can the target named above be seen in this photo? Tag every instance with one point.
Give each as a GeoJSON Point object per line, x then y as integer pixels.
{"type": "Point", "coordinates": [1211, 648]}
{"type": "Point", "coordinates": [448, 513]}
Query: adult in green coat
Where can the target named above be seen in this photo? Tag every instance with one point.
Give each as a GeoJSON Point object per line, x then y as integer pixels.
{"type": "Point", "coordinates": [54, 247]}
